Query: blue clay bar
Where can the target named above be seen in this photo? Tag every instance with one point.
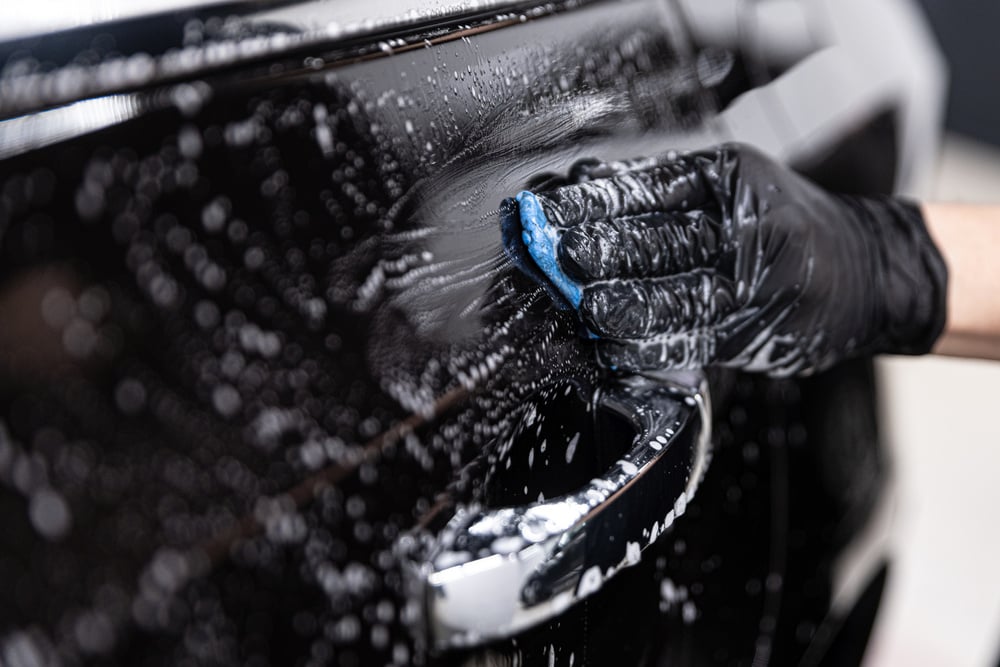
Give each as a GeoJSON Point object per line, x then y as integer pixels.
{"type": "Point", "coordinates": [542, 241]}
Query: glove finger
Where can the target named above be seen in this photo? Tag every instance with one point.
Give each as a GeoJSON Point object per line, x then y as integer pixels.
{"type": "Point", "coordinates": [646, 308]}
{"type": "Point", "coordinates": [679, 351]}
{"type": "Point", "coordinates": [666, 187]}
{"type": "Point", "coordinates": [589, 169]}
{"type": "Point", "coordinates": [641, 247]}
{"type": "Point", "coordinates": [546, 180]}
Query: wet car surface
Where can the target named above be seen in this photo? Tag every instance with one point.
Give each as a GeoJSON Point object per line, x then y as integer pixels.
{"type": "Point", "coordinates": [260, 333]}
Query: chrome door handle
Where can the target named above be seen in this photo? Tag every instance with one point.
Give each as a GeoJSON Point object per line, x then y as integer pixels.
{"type": "Point", "coordinates": [492, 573]}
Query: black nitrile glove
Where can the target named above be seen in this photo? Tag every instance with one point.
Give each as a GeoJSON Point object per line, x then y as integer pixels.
{"type": "Point", "coordinates": [726, 257]}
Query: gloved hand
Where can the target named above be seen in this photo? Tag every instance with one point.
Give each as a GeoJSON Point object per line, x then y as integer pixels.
{"type": "Point", "coordinates": [726, 257]}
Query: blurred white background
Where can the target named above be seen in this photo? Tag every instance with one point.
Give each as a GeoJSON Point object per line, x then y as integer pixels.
{"type": "Point", "coordinates": [942, 419]}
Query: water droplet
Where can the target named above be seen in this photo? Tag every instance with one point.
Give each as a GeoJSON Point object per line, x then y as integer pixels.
{"type": "Point", "coordinates": [49, 514]}
{"type": "Point", "coordinates": [226, 400]}
{"type": "Point", "coordinates": [130, 396]}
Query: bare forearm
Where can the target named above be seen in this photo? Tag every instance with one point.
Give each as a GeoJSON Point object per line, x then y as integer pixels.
{"type": "Point", "coordinates": [969, 238]}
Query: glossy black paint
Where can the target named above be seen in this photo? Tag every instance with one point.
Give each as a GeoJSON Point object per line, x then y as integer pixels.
{"type": "Point", "coordinates": [359, 226]}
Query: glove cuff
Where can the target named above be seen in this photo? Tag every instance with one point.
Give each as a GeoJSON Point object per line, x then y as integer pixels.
{"type": "Point", "coordinates": [914, 278]}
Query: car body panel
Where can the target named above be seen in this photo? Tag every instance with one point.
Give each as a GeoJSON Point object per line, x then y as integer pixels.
{"type": "Point", "coordinates": [261, 327]}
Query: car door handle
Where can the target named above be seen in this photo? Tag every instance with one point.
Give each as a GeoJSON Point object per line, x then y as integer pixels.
{"type": "Point", "coordinates": [492, 573]}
